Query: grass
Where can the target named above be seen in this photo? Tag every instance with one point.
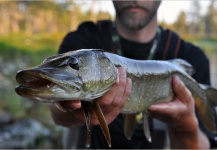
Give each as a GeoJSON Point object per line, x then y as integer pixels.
{"type": "Point", "coordinates": [36, 42]}
{"type": "Point", "coordinates": [208, 45]}
{"type": "Point", "coordinates": [36, 47]}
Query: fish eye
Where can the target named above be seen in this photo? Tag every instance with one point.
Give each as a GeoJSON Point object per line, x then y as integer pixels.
{"type": "Point", "coordinates": [73, 63]}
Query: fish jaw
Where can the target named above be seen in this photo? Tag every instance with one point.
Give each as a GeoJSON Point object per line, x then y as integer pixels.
{"type": "Point", "coordinates": [42, 85]}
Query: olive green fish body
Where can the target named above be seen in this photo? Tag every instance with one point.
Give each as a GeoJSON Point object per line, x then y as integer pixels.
{"type": "Point", "coordinates": [151, 81]}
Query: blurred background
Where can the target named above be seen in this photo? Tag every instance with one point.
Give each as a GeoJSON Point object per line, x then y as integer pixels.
{"type": "Point", "coordinates": [33, 30]}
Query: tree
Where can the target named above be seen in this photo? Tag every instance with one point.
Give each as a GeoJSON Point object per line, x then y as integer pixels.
{"type": "Point", "coordinates": [210, 19]}
{"type": "Point", "coordinates": [45, 16]}
{"type": "Point", "coordinates": [180, 23]}
{"type": "Point", "coordinates": [195, 17]}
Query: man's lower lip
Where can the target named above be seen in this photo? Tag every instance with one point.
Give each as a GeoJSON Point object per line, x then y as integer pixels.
{"type": "Point", "coordinates": [135, 9]}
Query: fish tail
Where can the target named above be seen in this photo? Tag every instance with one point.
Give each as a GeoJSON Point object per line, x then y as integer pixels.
{"type": "Point", "coordinates": [207, 112]}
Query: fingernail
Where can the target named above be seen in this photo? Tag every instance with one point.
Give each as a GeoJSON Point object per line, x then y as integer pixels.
{"type": "Point", "coordinates": [123, 71]}
{"type": "Point", "coordinates": [176, 81]}
{"type": "Point", "coordinates": [152, 107]}
{"type": "Point", "coordinates": [117, 79]}
{"type": "Point", "coordinates": [74, 105]}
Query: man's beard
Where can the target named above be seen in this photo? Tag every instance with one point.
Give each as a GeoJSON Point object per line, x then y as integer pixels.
{"type": "Point", "coordinates": [134, 21]}
{"type": "Point", "coordinates": [136, 24]}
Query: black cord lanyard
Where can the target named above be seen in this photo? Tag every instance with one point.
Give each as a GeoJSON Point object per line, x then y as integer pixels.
{"type": "Point", "coordinates": [117, 44]}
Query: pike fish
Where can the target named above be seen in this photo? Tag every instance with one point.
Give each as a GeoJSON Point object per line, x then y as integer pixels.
{"type": "Point", "coordinates": [87, 74]}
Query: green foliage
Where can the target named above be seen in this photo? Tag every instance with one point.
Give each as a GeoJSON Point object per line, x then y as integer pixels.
{"type": "Point", "coordinates": [35, 47]}
{"type": "Point", "coordinates": [44, 16]}
{"type": "Point", "coordinates": [180, 24]}
{"type": "Point", "coordinates": [18, 52]}
{"type": "Point", "coordinates": [208, 45]}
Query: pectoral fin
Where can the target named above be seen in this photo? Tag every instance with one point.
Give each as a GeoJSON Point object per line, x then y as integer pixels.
{"type": "Point", "coordinates": [129, 124]}
{"type": "Point", "coordinates": [86, 112]}
{"type": "Point", "coordinates": [146, 127]}
{"type": "Point", "coordinates": [60, 106]}
{"type": "Point", "coordinates": [102, 122]}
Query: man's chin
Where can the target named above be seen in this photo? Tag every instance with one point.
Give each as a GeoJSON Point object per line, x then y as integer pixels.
{"type": "Point", "coordinates": [133, 24]}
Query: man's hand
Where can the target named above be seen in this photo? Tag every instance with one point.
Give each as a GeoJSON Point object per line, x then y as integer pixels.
{"type": "Point", "coordinates": [179, 115]}
{"type": "Point", "coordinates": [111, 104]}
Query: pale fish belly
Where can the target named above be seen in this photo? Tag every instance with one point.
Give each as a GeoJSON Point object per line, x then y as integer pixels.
{"type": "Point", "coordinates": [148, 89]}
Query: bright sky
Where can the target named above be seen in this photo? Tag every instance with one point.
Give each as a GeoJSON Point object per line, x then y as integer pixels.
{"type": "Point", "coordinates": [168, 11]}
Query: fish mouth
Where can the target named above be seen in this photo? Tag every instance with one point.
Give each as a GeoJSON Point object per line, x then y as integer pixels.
{"type": "Point", "coordinates": [39, 83]}
{"type": "Point", "coordinates": [30, 80]}
{"type": "Point", "coordinates": [34, 80]}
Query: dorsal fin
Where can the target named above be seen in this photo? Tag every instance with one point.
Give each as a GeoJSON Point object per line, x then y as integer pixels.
{"type": "Point", "coordinates": [184, 65]}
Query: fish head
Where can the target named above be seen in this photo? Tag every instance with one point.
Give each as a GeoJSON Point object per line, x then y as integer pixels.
{"type": "Point", "coordinates": [76, 75]}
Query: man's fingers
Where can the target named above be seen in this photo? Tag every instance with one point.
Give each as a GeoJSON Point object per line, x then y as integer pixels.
{"type": "Point", "coordinates": [180, 90]}
{"type": "Point", "coordinates": [181, 105]}
{"type": "Point", "coordinates": [118, 96]}
{"type": "Point", "coordinates": [75, 104]}
{"type": "Point", "coordinates": [121, 88]}
{"type": "Point", "coordinates": [111, 102]}
{"type": "Point", "coordinates": [128, 88]}
{"type": "Point", "coordinates": [114, 112]}
{"type": "Point", "coordinates": [109, 97]}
